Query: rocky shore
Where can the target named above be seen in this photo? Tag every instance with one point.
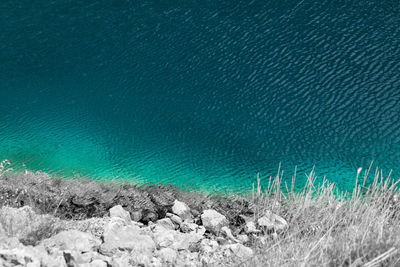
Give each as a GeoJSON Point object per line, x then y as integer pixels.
{"type": "Point", "coordinates": [181, 238]}
{"type": "Point", "coordinates": [76, 222]}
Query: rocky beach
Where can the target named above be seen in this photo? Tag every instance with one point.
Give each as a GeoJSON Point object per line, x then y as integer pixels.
{"type": "Point", "coordinates": [46, 221]}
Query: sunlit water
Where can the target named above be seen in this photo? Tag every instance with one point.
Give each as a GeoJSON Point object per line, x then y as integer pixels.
{"type": "Point", "coordinates": [204, 93]}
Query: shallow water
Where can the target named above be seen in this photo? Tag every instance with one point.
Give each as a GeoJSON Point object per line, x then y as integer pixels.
{"type": "Point", "coordinates": [200, 93]}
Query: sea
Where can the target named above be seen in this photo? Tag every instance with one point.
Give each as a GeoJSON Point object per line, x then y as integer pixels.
{"type": "Point", "coordinates": [201, 94]}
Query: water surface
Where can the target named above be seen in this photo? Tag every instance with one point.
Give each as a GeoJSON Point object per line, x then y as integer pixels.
{"type": "Point", "coordinates": [200, 92]}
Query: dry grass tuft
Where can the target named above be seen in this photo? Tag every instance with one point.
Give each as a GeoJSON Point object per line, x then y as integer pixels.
{"type": "Point", "coordinates": [329, 227]}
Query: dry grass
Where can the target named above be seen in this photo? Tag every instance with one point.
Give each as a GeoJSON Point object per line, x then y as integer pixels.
{"type": "Point", "coordinates": [331, 228]}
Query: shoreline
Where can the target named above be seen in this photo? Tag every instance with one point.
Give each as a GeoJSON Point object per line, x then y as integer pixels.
{"type": "Point", "coordinates": [318, 226]}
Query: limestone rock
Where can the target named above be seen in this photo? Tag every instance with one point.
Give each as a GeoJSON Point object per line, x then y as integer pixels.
{"type": "Point", "coordinates": [188, 259]}
{"type": "Point", "coordinates": [118, 236]}
{"type": "Point", "coordinates": [174, 239]}
{"type": "Point", "coordinates": [228, 234]}
{"type": "Point", "coordinates": [95, 263]}
{"type": "Point", "coordinates": [137, 215]}
{"type": "Point", "coordinates": [83, 258]}
{"type": "Point", "coordinates": [240, 251]}
{"type": "Point", "coordinates": [167, 255]}
{"type": "Point", "coordinates": [271, 221]}
{"type": "Point", "coordinates": [9, 242]}
{"type": "Point", "coordinates": [201, 230]}
{"type": "Point", "coordinates": [30, 256]}
{"type": "Point", "coordinates": [175, 219]}
{"type": "Point", "coordinates": [187, 227]}
{"type": "Point", "coordinates": [22, 221]}
{"type": "Point", "coordinates": [251, 228]}
{"type": "Point", "coordinates": [182, 210]}
{"type": "Point", "coordinates": [73, 240]}
{"type": "Point", "coordinates": [213, 221]}
{"type": "Point", "coordinates": [164, 238]}
{"type": "Point", "coordinates": [208, 246]}
{"type": "Point", "coordinates": [119, 212]}
{"type": "Point", "coordinates": [166, 223]}
{"type": "Point", "coordinates": [243, 238]}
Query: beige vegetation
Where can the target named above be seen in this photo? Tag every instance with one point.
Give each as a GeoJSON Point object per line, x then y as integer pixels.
{"type": "Point", "coordinates": [52, 222]}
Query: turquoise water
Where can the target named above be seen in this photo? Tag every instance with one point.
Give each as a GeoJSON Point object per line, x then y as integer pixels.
{"type": "Point", "coordinates": [200, 93]}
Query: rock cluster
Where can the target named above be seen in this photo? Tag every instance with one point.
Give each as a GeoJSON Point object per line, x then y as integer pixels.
{"type": "Point", "coordinates": [182, 238]}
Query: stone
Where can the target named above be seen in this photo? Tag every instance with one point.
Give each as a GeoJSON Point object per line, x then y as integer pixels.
{"type": "Point", "coordinates": [18, 257]}
{"type": "Point", "coordinates": [73, 240]}
{"type": "Point", "coordinates": [95, 263]}
{"type": "Point", "coordinates": [174, 239]}
{"type": "Point", "coordinates": [149, 216]}
{"type": "Point", "coordinates": [251, 228]}
{"type": "Point", "coordinates": [118, 236]}
{"type": "Point", "coordinates": [176, 219]}
{"type": "Point", "coordinates": [30, 257]}
{"type": "Point", "coordinates": [164, 238]}
{"type": "Point", "coordinates": [3, 233]}
{"type": "Point", "coordinates": [186, 241]}
{"type": "Point", "coordinates": [98, 263]}
{"type": "Point", "coordinates": [140, 259]}
{"type": "Point", "coordinates": [120, 260]}
{"type": "Point", "coordinates": [243, 238]}
{"type": "Point", "coordinates": [201, 230]}
{"type": "Point", "coordinates": [271, 221]}
{"type": "Point", "coordinates": [166, 223]}
{"type": "Point", "coordinates": [188, 259]}
{"type": "Point", "coordinates": [156, 262]}
{"type": "Point", "coordinates": [87, 257]}
{"type": "Point", "coordinates": [228, 234]}
{"type": "Point", "coordinates": [182, 210]}
{"type": "Point", "coordinates": [119, 212]}
{"type": "Point", "coordinates": [9, 243]}
{"type": "Point", "coordinates": [136, 215]}
{"type": "Point", "coordinates": [208, 246]}
{"type": "Point", "coordinates": [213, 221]}
{"type": "Point", "coordinates": [187, 227]}
{"type": "Point", "coordinates": [167, 255]}
{"type": "Point", "coordinates": [19, 222]}
{"type": "Point", "coordinates": [240, 251]}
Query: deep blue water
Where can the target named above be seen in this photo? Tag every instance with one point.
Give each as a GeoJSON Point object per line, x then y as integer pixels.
{"type": "Point", "coordinates": [200, 92]}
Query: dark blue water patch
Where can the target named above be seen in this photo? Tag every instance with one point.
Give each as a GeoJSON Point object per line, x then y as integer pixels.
{"type": "Point", "coordinates": [207, 93]}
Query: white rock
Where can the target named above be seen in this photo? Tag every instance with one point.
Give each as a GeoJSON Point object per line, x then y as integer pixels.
{"type": "Point", "coordinates": [19, 222]}
{"type": "Point", "coordinates": [156, 262]}
{"type": "Point", "coordinates": [9, 243]}
{"type": "Point", "coordinates": [174, 239]}
{"type": "Point", "coordinates": [73, 240]}
{"type": "Point", "coordinates": [251, 228]}
{"type": "Point", "coordinates": [119, 212]}
{"type": "Point", "coordinates": [201, 230]}
{"type": "Point", "coordinates": [213, 221]}
{"type": "Point", "coordinates": [176, 219]}
{"type": "Point", "coordinates": [140, 260]}
{"type": "Point", "coordinates": [166, 223]}
{"type": "Point", "coordinates": [137, 215]}
{"type": "Point", "coordinates": [187, 227]}
{"type": "Point", "coordinates": [182, 210]}
{"type": "Point", "coordinates": [118, 236]}
{"type": "Point", "coordinates": [167, 255]}
{"type": "Point", "coordinates": [188, 259]}
{"type": "Point", "coordinates": [240, 251]}
{"type": "Point", "coordinates": [98, 263]}
{"type": "Point", "coordinates": [228, 233]}
{"type": "Point", "coordinates": [243, 238]}
{"type": "Point", "coordinates": [30, 257]}
{"type": "Point", "coordinates": [272, 221]}
{"type": "Point", "coordinates": [164, 238]}
{"type": "Point", "coordinates": [208, 246]}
